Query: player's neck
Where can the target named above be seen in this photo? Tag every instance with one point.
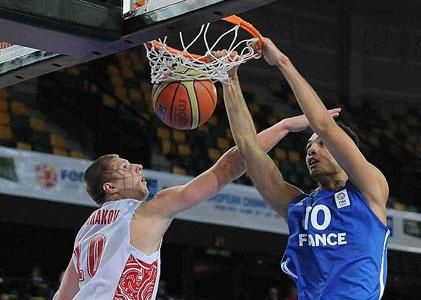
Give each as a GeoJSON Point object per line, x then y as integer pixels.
{"type": "Point", "coordinates": [333, 182]}
{"type": "Point", "coordinates": [118, 196]}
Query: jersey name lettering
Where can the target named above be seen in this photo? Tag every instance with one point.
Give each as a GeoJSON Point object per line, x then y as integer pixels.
{"type": "Point", "coordinates": [103, 217]}
{"type": "Point", "coordinates": [324, 239]}
{"type": "Point", "coordinates": [315, 239]}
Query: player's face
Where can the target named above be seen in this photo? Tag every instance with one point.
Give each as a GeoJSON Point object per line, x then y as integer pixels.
{"type": "Point", "coordinates": [127, 179]}
{"type": "Point", "coordinates": [319, 161]}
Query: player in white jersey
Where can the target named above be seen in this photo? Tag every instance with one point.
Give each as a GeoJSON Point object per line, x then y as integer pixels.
{"type": "Point", "coordinates": [117, 251]}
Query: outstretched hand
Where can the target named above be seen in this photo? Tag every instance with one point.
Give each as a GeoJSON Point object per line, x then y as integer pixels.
{"type": "Point", "coordinates": [299, 123]}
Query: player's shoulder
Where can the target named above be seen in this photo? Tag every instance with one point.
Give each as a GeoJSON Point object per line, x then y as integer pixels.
{"type": "Point", "coordinates": [299, 200]}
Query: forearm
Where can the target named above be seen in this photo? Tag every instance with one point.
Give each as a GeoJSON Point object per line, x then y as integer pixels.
{"type": "Point", "coordinates": [244, 134]}
{"type": "Point", "coordinates": [241, 122]}
{"type": "Point", "coordinates": [308, 100]}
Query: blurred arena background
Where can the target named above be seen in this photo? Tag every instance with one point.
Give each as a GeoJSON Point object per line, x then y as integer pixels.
{"type": "Point", "coordinates": [363, 57]}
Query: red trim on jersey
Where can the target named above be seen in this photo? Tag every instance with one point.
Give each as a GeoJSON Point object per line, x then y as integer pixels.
{"type": "Point", "coordinates": [137, 280]}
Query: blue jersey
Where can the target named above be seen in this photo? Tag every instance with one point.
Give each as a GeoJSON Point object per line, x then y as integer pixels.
{"type": "Point", "coordinates": [337, 246]}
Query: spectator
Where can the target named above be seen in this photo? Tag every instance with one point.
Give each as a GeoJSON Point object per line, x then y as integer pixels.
{"type": "Point", "coordinates": [3, 287]}
{"type": "Point", "coordinates": [4, 296]}
{"type": "Point", "coordinates": [40, 286]}
{"type": "Point", "coordinates": [292, 294]}
{"type": "Point", "coordinates": [272, 294]}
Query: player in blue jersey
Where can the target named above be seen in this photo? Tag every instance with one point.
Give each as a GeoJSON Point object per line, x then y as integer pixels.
{"type": "Point", "coordinates": [337, 234]}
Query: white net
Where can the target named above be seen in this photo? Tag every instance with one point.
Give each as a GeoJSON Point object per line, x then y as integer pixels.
{"type": "Point", "coordinates": [165, 62]}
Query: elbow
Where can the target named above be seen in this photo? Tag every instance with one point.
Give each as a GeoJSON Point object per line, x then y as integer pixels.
{"type": "Point", "coordinates": [323, 125]}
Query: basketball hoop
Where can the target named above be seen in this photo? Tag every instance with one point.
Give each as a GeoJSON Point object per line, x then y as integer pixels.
{"type": "Point", "coordinates": [165, 60]}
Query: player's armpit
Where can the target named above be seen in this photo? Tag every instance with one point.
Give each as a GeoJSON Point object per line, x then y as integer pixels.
{"type": "Point", "coordinates": [268, 179]}
{"type": "Point", "coordinates": [365, 176]}
{"type": "Point", "coordinates": [69, 286]}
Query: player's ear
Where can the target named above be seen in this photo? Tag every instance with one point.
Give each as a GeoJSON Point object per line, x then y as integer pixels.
{"type": "Point", "coordinates": [109, 188]}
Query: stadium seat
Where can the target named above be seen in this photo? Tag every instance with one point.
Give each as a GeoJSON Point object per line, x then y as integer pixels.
{"type": "Point", "coordinates": [280, 153]}
{"type": "Point", "coordinates": [23, 146]}
{"type": "Point", "coordinates": [166, 147]}
{"type": "Point", "coordinates": [204, 128]}
{"type": "Point", "coordinates": [4, 105]}
{"type": "Point", "coordinates": [108, 101]}
{"type": "Point", "coordinates": [18, 108]}
{"type": "Point", "coordinates": [135, 95]}
{"type": "Point", "coordinates": [222, 143]}
{"type": "Point", "coordinates": [5, 133]}
{"type": "Point", "coordinates": [60, 151]}
{"type": "Point", "coordinates": [57, 141]}
{"type": "Point", "coordinates": [37, 124]}
{"type": "Point", "coordinates": [179, 136]}
{"type": "Point", "coordinates": [214, 154]}
{"type": "Point", "coordinates": [163, 133]}
{"type": "Point", "coordinates": [179, 170]}
{"type": "Point", "coordinates": [271, 120]}
{"type": "Point", "coordinates": [4, 118]}
{"type": "Point", "coordinates": [294, 156]}
{"type": "Point", "coordinates": [183, 150]}
{"type": "Point", "coordinates": [77, 154]}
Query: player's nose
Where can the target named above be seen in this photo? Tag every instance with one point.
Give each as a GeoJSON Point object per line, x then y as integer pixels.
{"type": "Point", "coordinates": [311, 150]}
{"type": "Point", "coordinates": [138, 167]}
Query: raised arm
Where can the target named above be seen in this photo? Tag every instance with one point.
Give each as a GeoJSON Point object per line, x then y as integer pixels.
{"type": "Point", "coordinates": [263, 172]}
{"type": "Point", "coordinates": [369, 180]}
{"type": "Point", "coordinates": [156, 215]}
{"type": "Point", "coordinates": [228, 168]}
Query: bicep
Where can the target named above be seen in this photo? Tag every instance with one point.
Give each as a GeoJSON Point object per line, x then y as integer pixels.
{"type": "Point", "coordinates": [69, 285]}
{"type": "Point", "coordinates": [365, 176]}
{"type": "Point", "coordinates": [173, 200]}
{"type": "Point", "coordinates": [268, 180]}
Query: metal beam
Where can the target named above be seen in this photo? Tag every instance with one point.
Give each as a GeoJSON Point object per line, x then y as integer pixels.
{"type": "Point", "coordinates": [79, 49]}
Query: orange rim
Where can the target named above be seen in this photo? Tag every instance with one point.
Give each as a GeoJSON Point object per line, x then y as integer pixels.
{"type": "Point", "coordinates": [230, 19]}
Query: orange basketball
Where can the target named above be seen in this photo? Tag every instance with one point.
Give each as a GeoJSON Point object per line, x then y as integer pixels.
{"type": "Point", "coordinates": [184, 104]}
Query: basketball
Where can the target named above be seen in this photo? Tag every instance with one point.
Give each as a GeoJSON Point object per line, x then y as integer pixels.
{"type": "Point", "coordinates": [185, 104]}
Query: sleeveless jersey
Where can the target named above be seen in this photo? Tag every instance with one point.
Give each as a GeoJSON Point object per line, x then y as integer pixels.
{"type": "Point", "coordinates": [108, 266]}
{"type": "Point", "coordinates": [337, 246]}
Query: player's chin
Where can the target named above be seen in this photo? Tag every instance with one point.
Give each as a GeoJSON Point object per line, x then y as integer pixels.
{"type": "Point", "coordinates": [315, 174]}
{"type": "Point", "coordinates": [145, 192]}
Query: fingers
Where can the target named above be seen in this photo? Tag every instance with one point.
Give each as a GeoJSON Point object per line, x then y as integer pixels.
{"type": "Point", "coordinates": [256, 46]}
{"type": "Point", "coordinates": [335, 110]}
{"type": "Point", "coordinates": [219, 53]}
{"type": "Point", "coordinates": [214, 55]}
{"type": "Point", "coordinates": [334, 113]}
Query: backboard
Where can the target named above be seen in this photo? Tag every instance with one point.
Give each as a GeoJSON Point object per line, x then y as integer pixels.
{"type": "Point", "coordinates": [40, 38]}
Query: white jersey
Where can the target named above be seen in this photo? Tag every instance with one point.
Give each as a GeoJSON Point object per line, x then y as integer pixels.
{"type": "Point", "coordinates": [109, 267]}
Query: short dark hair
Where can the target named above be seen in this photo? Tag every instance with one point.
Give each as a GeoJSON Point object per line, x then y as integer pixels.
{"type": "Point", "coordinates": [350, 133]}
{"type": "Point", "coordinates": [94, 177]}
